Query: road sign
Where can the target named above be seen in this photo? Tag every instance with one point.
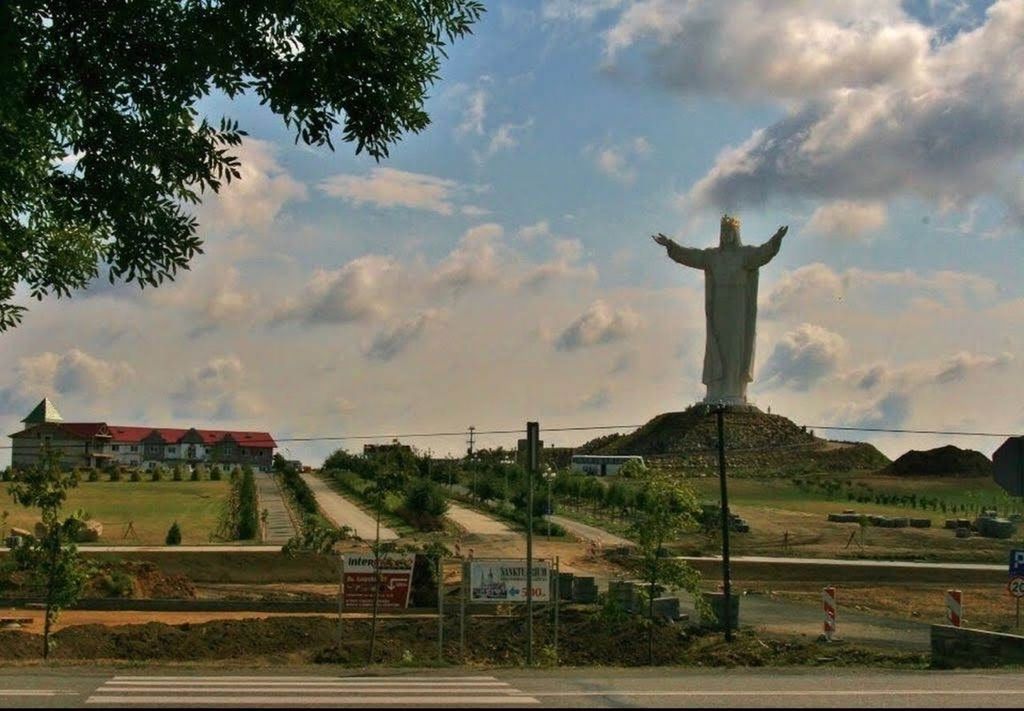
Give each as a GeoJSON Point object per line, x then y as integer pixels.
{"type": "Point", "coordinates": [1008, 466]}
{"type": "Point", "coordinates": [1016, 563]}
{"type": "Point", "coordinates": [1016, 586]}
{"type": "Point", "coordinates": [395, 577]}
{"type": "Point", "coordinates": [955, 607]}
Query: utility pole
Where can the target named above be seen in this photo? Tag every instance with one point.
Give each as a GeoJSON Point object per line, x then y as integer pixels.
{"type": "Point", "coordinates": [726, 584]}
{"type": "Point", "coordinates": [469, 451]}
{"type": "Point", "coordinates": [532, 466]}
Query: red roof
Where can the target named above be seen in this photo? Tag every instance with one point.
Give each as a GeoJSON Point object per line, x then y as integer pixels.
{"type": "Point", "coordinates": [85, 430]}
{"type": "Point", "coordinates": [172, 435]}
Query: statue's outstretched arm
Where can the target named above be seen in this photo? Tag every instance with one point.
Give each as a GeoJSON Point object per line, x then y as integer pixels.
{"type": "Point", "coordinates": [764, 253]}
{"type": "Point", "coordinates": [687, 256]}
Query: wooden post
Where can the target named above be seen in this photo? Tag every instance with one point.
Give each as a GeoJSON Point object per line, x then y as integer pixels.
{"type": "Point", "coordinates": [558, 596]}
{"type": "Point", "coordinates": [440, 608]}
{"type": "Point", "coordinates": [462, 610]}
{"type": "Point", "coordinates": [341, 594]}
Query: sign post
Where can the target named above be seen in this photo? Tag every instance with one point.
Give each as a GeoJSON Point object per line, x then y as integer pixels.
{"type": "Point", "coordinates": [500, 581]}
{"type": "Point", "coordinates": [955, 607]}
{"type": "Point", "coordinates": [532, 466]}
{"type": "Point", "coordinates": [1016, 584]}
{"type": "Point", "coordinates": [828, 605]}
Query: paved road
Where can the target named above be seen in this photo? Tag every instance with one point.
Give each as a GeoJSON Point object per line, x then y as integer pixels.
{"type": "Point", "coordinates": [279, 526]}
{"type": "Point", "coordinates": [575, 688]}
{"type": "Point", "coordinates": [343, 512]}
{"type": "Point", "coordinates": [477, 523]}
{"type": "Point", "coordinates": [855, 563]}
{"type": "Point", "coordinates": [589, 533]}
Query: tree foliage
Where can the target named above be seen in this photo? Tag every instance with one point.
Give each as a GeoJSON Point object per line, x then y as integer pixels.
{"type": "Point", "coordinates": [104, 149]}
{"type": "Point", "coordinates": [50, 559]}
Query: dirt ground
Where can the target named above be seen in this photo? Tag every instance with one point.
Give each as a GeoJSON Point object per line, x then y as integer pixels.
{"type": "Point", "coordinates": [988, 607]}
{"type": "Point", "coordinates": [586, 638]}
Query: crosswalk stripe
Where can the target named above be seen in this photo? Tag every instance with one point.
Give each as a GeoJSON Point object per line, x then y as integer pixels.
{"type": "Point", "coordinates": [417, 690]}
{"type": "Point", "coordinates": [313, 700]}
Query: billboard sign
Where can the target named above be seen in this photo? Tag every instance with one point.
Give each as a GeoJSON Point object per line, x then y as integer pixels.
{"type": "Point", "coordinates": [505, 581]}
{"type": "Point", "coordinates": [359, 578]}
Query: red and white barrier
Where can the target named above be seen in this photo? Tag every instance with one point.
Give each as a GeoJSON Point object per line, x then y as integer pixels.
{"type": "Point", "coordinates": [828, 605]}
{"type": "Point", "coordinates": [955, 607]}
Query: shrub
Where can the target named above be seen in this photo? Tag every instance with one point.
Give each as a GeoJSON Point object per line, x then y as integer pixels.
{"type": "Point", "coordinates": [94, 475]}
{"type": "Point", "coordinates": [114, 474]}
{"type": "Point", "coordinates": [425, 504]}
{"type": "Point", "coordinates": [194, 476]}
{"type": "Point", "coordinates": [155, 474]}
{"type": "Point", "coordinates": [177, 474]}
{"type": "Point", "coordinates": [248, 517]}
{"type": "Point", "coordinates": [135, 475]}
{"type": "Point", "coordinates": [117, 583]}
{"type": "Point", "coordinates": [173, 535]}
{"type": "Point", "coordinates": [199, 473]}
{"type": "Point", "coordinates": [215, 473]}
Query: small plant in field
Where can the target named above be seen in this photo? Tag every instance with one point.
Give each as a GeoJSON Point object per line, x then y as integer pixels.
{"type": "Point", "coordinates": [155, 474]}
{"type": "Point", "coordinates": [94, 475]}
{"type": "Point", "coordinates": [215, 473]}
{"type": "Point", "coordinates": [114, 474]}
{"type": "Point", "coordinates": [177, 474]}
{"type": "Point", "coordinates": [173, 535]}
{"type": "Point", "coordinates": [135, 475]}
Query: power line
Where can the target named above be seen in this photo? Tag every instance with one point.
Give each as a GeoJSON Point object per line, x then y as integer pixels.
{"type": "Point", "coordinates": [586, 428]}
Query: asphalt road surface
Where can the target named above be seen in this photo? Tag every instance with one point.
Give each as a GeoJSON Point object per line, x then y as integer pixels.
{"type": "Point", "coordinates": [312, 687]}
{"type": "Point", "coordinates": [343, 512]}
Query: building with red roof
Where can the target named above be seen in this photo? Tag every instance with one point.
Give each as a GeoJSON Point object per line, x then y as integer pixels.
{"type": "Point", "coordinates": [95, 444]}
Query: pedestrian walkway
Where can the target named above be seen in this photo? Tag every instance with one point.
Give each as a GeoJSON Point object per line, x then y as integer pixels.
{"type": "Point", "coordinates": [305, 691]}
{"type": "Point", "coordinates": [279, 527]}
{"type": "Point", "coordinates": [343, 512]}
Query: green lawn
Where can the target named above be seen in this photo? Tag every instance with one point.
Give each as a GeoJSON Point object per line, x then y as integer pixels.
{"type": "Point", "coordinates": [151, 506]}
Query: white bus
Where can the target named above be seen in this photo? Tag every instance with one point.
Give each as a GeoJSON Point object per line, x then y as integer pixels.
{"type": "Point", "coordinates": [602, 464]}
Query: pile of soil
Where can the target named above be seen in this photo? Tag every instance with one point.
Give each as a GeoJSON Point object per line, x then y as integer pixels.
{"type": "Point", "coordinates": [947, 461]}
{"type": "Point", "coordinates": [586, 638]}
{"type": "Point", "coordinates": [137, 580]}
{"type": "Point", "coordinates": [755, 441]}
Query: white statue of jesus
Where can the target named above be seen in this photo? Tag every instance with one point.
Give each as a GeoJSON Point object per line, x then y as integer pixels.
{"type": "Point", "coordinates": [730, 307]}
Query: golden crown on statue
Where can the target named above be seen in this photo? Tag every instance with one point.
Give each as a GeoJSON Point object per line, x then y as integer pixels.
{"type": "Point", "coordinates": [729, 221]}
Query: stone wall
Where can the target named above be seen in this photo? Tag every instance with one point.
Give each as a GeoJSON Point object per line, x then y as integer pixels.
{"type": "Point", "coordinates": [963, 647]}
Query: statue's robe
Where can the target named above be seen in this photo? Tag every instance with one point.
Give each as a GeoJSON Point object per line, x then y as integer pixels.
{"type": "Point", "coordinates": [730, 309]}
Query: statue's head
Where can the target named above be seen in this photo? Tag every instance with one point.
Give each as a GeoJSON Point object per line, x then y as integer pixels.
{"type": "Point", "coordinates": [730, 232]}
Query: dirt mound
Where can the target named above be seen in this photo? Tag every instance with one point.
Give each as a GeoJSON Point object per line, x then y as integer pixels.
{"type": "Point", "coordinates": [586, 637]}
{"type": "Point", "coordinates": [948, 461]}
{"type": "Point", "coordinates": [755, 441]}
{"type": "Point", "coordinates": [137, 580]}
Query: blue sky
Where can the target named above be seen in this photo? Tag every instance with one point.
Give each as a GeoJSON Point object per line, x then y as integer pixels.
{"type": "Point", "coordinates": [498, 268]}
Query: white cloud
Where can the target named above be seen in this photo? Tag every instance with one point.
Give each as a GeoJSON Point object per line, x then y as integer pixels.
{"type": "Point", "coordinates": [388, 187]}
{"type": "Point", "coordinates": [878, 104]}
{"type": "Point", "coordinates": [803, 357]}
{"type": "Point", "coordinates": [474, 261]}
{"type": "Point", "coordinates": [255, 199]}
{"type": "Point", "coordinates": [532, 232]}
{"type": "Point", "coordinates": [475, 113]}
{"type": "Point", "coordinates": [74, 372]}
{"type": "Point", "coordinates": [359, 291]}
{"type": "Point", "coordinates": [216, 390]}
{"type": "Point", "coordinates": [564, 266]}
{"type": "Point", "coordinates": [395, 340]}
{"type": "Point", "coordinates": [815, 286]}
{"type": "Point", "coordinates": [600, 323]}
{"type": "Point", "coordinates": [848, 220]}
{"type": "Point", "coordinates": [890, 410]}
{"type": "Point", "coordinates": [503, 138]}
{"type": "Point", "coordinates": [617, 161]}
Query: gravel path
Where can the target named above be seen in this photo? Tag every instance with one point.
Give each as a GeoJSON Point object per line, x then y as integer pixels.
{"type": "Point", "coordinates": [279, 522]}
{"type": "Point", "coordinates": [477, 523]}
{"type": "Point", "coordinates": [345, 513]}
{"type": "Point", "coordinates": [589, 533]}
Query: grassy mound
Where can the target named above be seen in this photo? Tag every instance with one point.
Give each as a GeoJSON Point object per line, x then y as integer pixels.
{"type": "Point", "coordinates": [942, 461]}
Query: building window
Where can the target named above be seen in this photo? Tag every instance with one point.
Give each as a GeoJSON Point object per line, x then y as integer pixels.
{"type": "Point", "coordinates": [135, 448]}
{"type": "Point", "coordinates": [115, 448]}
